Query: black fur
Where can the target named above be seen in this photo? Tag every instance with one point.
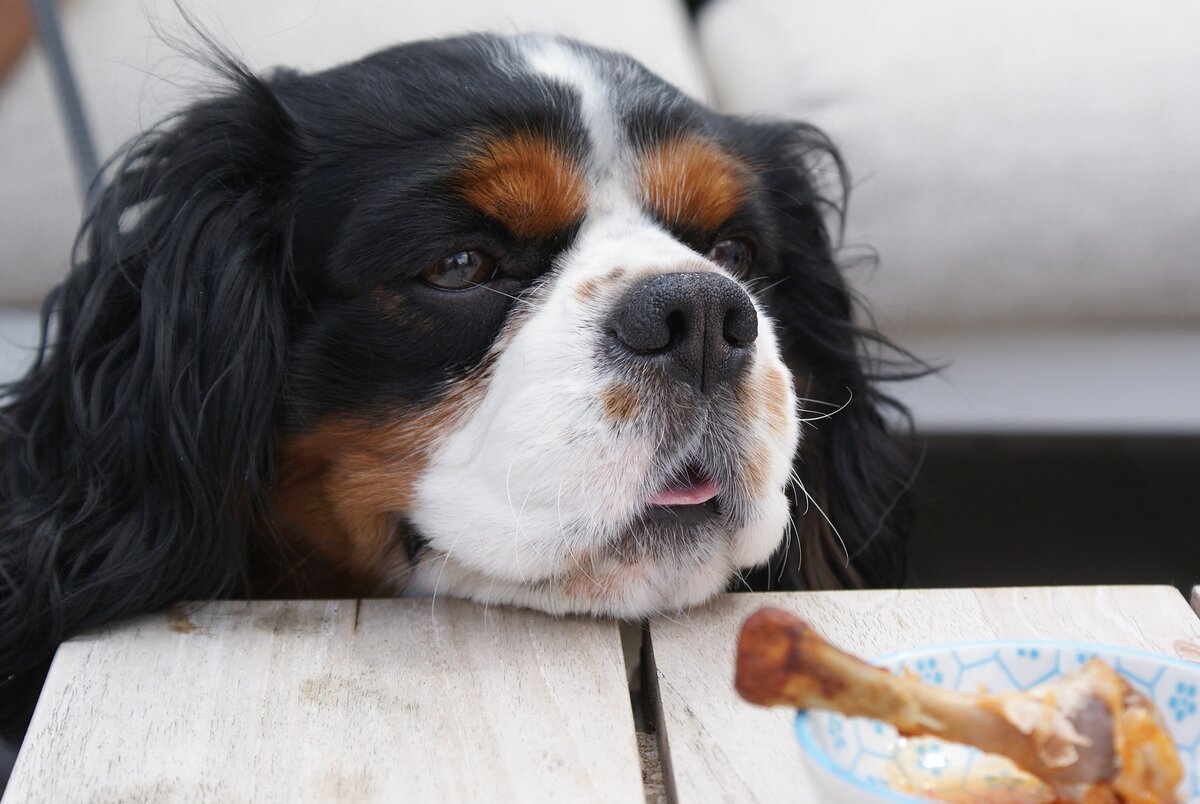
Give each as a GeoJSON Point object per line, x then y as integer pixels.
{"type": "Point", "coordinates": [221, 298]}
{"type": "Point", "coordinates": [851, 527]}
{"type": "Point", "coordinates": [137, 454]}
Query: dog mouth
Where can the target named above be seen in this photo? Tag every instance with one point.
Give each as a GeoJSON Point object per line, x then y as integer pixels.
{"type": "Point", "coordinates": [689, 497]}
{"type": "Point", "coordinates": [691, 486]}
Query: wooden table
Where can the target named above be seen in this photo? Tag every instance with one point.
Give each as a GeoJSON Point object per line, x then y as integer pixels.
{"type": "Point", "coordinates": [391, 700]}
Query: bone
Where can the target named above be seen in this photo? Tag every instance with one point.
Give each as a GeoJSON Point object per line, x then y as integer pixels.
{"type": "Point", "coordinates": [1063, 733]}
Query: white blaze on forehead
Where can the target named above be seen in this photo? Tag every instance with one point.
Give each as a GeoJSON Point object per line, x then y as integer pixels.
{"type": "Point", "coordinates": [563, 64]}
{"type": "Point", "coordinates": [609, 161]}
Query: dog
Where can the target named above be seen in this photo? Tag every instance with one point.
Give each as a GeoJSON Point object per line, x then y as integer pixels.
{"type": "Point", "coordinates": [506, 318]}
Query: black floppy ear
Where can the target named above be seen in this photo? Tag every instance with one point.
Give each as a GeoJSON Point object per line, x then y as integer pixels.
{"type": "Point", "coordinates": [137, 454]}
{"type": "Point", "coordinates": [852, 516]}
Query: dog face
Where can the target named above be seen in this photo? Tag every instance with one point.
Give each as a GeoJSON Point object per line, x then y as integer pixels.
{"type": "Point", "coordinates": [566, 394]}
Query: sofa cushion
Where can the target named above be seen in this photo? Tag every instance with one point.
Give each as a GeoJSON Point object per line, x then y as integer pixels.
{"type": "Point", "coordinates": [1012, 162]}
{"type": "Point", "coordinates": [20, 333]}
{"type": "Point", "coordinates": [129, 79]}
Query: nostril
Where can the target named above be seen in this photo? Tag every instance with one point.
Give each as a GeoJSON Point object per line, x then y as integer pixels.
{"type": "Point", "coordinates": [676, 327]}
{"type": "Point", "coordinates": [740, 326]}
{"type": "Point", "coordinates": [730, 328]}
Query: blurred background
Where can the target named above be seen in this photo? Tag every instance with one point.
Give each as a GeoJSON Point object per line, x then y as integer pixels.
{"type": "Point", "coordinates": [1024, 211]}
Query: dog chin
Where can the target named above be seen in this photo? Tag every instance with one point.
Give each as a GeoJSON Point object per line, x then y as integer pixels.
{"type": "Point", "coordinates": [608, 586]}
{"type": "Point", "coordinates": [623, 591]}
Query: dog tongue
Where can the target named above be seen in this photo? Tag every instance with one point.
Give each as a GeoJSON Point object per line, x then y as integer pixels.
{"type": "Point", "coordinates": [689, 489]}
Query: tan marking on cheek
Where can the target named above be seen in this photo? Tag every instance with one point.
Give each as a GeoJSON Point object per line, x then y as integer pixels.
{"type": "Point", "coordinates": [766, 398]}
{"type": "Point", "coordinates": [588, 290]}
{"type": "Point", "coordinates": [750, 399]}
{"type": "Point", "coordinates": [324, 507]}
{"type": "Point", "coordinates": [760, 399]}
{"type": "Point", "coordinates": [532, 186]}
{"type": "Point", "coordinates": [692, 183]}
{"type": "Point", "coordinates": [756, 471]}
{"type": "Point", "coordinates": [621, 402]}
{"type": "Point", "coordinates": [591, 289]}
{"type": "Point", "coordinates": [775, 399]}
{"type": "Point", "coordinates": [342, 483]}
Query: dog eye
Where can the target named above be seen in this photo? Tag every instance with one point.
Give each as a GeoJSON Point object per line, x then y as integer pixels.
{"type": "Point", "coordinates": [459, 271]}
{"type": "Point", "coordinates": [734, 255]}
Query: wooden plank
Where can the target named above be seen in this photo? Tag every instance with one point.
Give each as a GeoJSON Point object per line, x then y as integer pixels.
{"type": "Point", "coordinates": [715, 747]}
{"type": "Point", "coordinates": [383, 700]}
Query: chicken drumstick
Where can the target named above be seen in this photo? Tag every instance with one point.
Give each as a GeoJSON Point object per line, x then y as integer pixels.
{"type": "Point", "coordinates": [1089, 735]}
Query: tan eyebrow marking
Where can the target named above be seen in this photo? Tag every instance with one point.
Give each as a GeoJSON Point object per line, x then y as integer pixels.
{"type": "Point", "coordinates": [693, 183]}
{"type": "Point", "coordinates": [532, 186]}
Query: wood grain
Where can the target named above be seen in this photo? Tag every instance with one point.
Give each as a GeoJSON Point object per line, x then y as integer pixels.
{"type": "Point", "coordinates": [717, 748]}
{"type": "Point", "coordinates": [383, 700]}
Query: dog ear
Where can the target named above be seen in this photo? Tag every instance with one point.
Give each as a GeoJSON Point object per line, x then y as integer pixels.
{"type": "Point", "coordinates": [851, 509]}
{"type": "Point", "coordinates": [137, 454]}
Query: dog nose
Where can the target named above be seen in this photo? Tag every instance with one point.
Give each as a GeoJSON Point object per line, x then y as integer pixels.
{"type": "Point", "coordinates": [700, 327]}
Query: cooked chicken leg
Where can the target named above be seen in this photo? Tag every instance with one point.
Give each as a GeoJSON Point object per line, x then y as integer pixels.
{"type": "Point", "coordinates": [1089, 734]}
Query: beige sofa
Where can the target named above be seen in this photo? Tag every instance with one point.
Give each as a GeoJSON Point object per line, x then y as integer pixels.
{"type": "Point", "coordinates": [1026, 173]}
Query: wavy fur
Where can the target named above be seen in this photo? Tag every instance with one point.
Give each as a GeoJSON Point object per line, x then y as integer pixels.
{"type": "Point", "coordinates": [137, 455]}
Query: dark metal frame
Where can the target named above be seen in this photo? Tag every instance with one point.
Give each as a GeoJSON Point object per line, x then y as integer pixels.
{"type": "Point", "coordinates": [83, 147]}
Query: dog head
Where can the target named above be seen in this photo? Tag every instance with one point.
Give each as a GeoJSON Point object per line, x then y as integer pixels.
{"type": "Point", "coordinates": [556, 385]}
{"type": "Point", "coordinates": [506, 318]}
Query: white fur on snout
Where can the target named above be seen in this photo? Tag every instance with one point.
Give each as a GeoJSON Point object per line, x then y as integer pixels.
{"type": "Point", "coordinates": [534, 472]}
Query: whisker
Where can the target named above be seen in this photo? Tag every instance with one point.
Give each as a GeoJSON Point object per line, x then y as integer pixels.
{"type": "Point", "coordinates": [516, 519]}
{"type": "Point", "coordinates": [830, 414]}
{"type": "Point", "coordinates": [562, 533]}
{"type": "Point", "coordinates": [795, 481]}
{"type": "Point", "coordinates": [772, 285]}
{"type": "Point", "coordinates": [517, 299]}
{"type": "Point", "coordinates": [825, 516]}
{"type": "Point", "coordinates": [487, 599]}
{"type": "Point", "coordinates": [819, 401]}
{"type": "Point", "coordinates": [753, 280]}
{"type": "Point", "coordinates": [789, 533]}
{"type": "Point", "coordinates": [446, 560]}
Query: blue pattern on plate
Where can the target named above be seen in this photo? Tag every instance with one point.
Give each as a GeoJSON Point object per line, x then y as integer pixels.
{"type": "Point", "coordinates": [1183, 703]}
{"type": "Point", "coordinates": [863, 752]}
